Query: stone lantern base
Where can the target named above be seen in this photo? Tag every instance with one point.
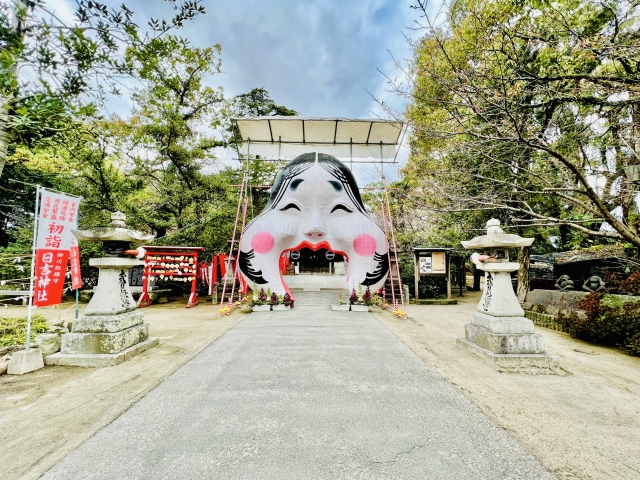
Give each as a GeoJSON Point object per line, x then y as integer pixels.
{"type": "Point", "coordinates": [112, 330]}
{"type": "Point", "coordinates": [103, 340]}
{"type": "Point", "coordinates": [508, 344]}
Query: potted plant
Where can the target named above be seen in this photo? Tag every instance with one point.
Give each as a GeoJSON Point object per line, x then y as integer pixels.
{"type": "Point", "coordinates": [366, 298]}
{"type": "Point", "coordinates": [260, 304]}
{"type": "Point", "coordinates": [287, 300]}
{"type": "Point", "coordinates": [246, 305]}
{"type": "Point", "coordinates": [356, 301]}
{"type": "Point", "coordinates": [341, 306]}
{"type": "Point", "coordinates": [276, 303]}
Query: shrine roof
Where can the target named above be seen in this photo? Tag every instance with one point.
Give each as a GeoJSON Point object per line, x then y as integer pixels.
{"type": "Point", "coordinates": [337, 136]}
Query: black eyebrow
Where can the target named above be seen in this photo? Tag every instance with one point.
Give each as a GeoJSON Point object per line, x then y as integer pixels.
{"type": "Point", "coordinates": [336, 185]}
{"type": "Point", "coordinates": [294, 184]}
{"type": "Point", "coordinates": [289, 206]}
{"type": "Point", "coordinates": [341, 207]}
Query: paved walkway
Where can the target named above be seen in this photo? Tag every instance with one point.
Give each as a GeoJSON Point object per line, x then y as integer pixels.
{"type": "Point", "coordinates": [315, 281]}
{"type": "Point", "coordinates": [305, 394]}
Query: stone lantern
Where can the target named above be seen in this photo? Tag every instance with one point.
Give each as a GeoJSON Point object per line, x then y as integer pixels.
{"type": "Point", "coordinates": [111, 330]}
{"type": "Point", "coordinates": [499, 334]}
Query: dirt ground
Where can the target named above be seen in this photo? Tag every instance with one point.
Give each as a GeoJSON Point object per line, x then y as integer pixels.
{"type": "Point", "coordinates": [46, 414]}
{"type": "Point", "coordinates": [584, 425]}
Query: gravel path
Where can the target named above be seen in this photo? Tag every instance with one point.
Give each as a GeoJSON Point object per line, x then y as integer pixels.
{"type": "Point", "coordinates": [304, 394]}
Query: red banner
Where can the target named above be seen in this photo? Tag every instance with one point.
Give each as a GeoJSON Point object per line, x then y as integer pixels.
{"type": "Point", "coordinates": [58, 216]}
{"type": "Point", "coordinates": [51, 266]}
{"type": "Point", "coordinates": [74, 258]}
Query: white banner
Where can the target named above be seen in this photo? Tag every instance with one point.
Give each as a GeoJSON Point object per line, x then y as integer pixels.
{"type": "Point", "coordinates": [57, 217]}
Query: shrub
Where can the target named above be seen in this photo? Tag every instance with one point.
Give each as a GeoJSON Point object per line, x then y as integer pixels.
{"type": "Point", "coordinates": [631, 284]}
{"type": "Point", "coordinates": [274, 299]}
{"type": "Point", "coordinates": [605, 322]}
{"type": "Point", "coordinates": [13, 331]}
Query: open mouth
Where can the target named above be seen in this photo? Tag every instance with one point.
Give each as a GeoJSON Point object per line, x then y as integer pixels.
{"type": "Point", "coordinates": [316, 247]}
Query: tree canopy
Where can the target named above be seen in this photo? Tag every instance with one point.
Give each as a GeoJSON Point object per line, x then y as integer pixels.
{"type": "Point", "coordinates": [159, 163]}
{"type": "Point", "coordinates": [528, 111]}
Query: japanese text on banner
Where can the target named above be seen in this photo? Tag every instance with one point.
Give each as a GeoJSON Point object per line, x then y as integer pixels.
{"type": "Point", "coordinates": [74, 258]}
{"type": "Point", "coordinates": [51, 266]}
{"type": "Point", "coordinates": [58, 216]}
{"type": "Point", "coordinates": [56, 219]}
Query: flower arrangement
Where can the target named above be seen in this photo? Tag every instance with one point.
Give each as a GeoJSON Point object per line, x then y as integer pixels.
{"type": "Point", "coordinates": [353, 298]}
{"type": "Point", "coordinates": [360, 299]}
{"type": "Point", "coordinates": [286, 299]}
{"type": "Point", "coordinates": [376, 300]}
{"type": "Point", "coordinates": [258, 298]}
{"type": "Point", "coordinates": [340, 298]}
{"type": "Point", "coordinates": [274, 299]}
{"type": "Point", "coordinates": [366, 297]}
{"type": "Point", "coordinates": [399, 313]}
{"type": "Point", "coordinates": [226, 310]}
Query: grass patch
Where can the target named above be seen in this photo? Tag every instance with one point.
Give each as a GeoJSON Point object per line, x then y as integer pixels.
{"type": "Point", "coordinates": [13, 331]}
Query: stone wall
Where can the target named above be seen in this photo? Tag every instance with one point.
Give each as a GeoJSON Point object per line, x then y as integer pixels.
{"type": "Point", "coordinates": [543, 306]}
{"type": "Point", "coordinates": [543, 320]}
{"type": "Point", "coordinates": [553, 300]}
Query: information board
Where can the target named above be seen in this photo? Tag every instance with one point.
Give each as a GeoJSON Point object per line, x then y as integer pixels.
{"type": "Point", "coordinates": [425, 264]}
{"type": "Point", "coordinates": [439, 262]}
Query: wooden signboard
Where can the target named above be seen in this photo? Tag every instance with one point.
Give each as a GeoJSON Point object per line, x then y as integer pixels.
{"type": "Point", "coordinates": [439, 262]}
{"type": "Point", "coordinates": [431, 261]}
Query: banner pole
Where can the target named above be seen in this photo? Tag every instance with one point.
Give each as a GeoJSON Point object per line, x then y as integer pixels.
{"type": "Point", "coordinates": [77, 289]}
{"type": "Point", "coordinates": [27, 344]}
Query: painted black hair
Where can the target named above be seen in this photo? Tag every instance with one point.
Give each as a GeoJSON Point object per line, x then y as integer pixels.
{"type": "Point", "coordinates": [331, 164]}
{"type": "Point", "coordinates": [286, 179]}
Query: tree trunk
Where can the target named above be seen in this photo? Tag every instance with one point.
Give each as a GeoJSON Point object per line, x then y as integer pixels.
{"type": "Point", "coordinates": [477, 273]}
{"type": "Point", "coordinates": [523, 273]}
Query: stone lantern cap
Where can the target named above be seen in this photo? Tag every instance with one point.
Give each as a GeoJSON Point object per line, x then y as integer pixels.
{"type": "Point", "coordinates": [496, 238]}
{"type": "Point", "coordinates": [115, 232]}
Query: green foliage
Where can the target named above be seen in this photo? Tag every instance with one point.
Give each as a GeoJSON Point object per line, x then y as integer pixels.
{"type": "Point", "coordinates": [67, 69]}
{"type": "Point", "coordinates": [255, 103]}
{"type": "Point", "coordinates": [158, 165]}
{"type": "Point", "coordinates": [13, 331]}
{"type": "Point", "coordinates": [605, 322]}
{"type": "Point", "coordinates": [511, 115]}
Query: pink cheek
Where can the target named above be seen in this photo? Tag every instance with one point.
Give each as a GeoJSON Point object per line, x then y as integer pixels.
{"type": "Point", "coordinates": [364, 245]}
{"type": "Point", "coordinates": [262, 242]}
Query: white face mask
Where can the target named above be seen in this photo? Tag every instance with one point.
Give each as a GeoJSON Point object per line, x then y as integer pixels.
{"type": "Point", "coordinates": [315, 210]}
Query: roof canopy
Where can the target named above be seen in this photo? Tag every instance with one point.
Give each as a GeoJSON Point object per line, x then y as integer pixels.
{"type": "Point", "coordinates": [341, 137]}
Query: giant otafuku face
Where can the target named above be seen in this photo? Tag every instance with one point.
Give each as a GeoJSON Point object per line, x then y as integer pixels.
{"type": "Point", "coordinates": [315, 203]}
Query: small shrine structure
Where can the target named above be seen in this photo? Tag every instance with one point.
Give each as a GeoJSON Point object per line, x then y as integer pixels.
{"type": "Point", "coordinates": [111, 330]}
{"type": "Point", "coordinates": [178, 264]}
{"type": "Point", "coordinates": [432, 261]}
{"type": "Point", "coordinates": [499, 334]}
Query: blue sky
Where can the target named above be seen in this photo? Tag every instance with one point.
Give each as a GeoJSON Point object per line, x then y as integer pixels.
{"type": "Point", "coordinates": [320, 58]}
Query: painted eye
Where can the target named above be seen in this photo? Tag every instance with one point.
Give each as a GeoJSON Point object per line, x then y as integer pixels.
{"type": "Point", "coordinates": [289, 206]}
{"type": "Point", "coordinates": [341, 207]}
